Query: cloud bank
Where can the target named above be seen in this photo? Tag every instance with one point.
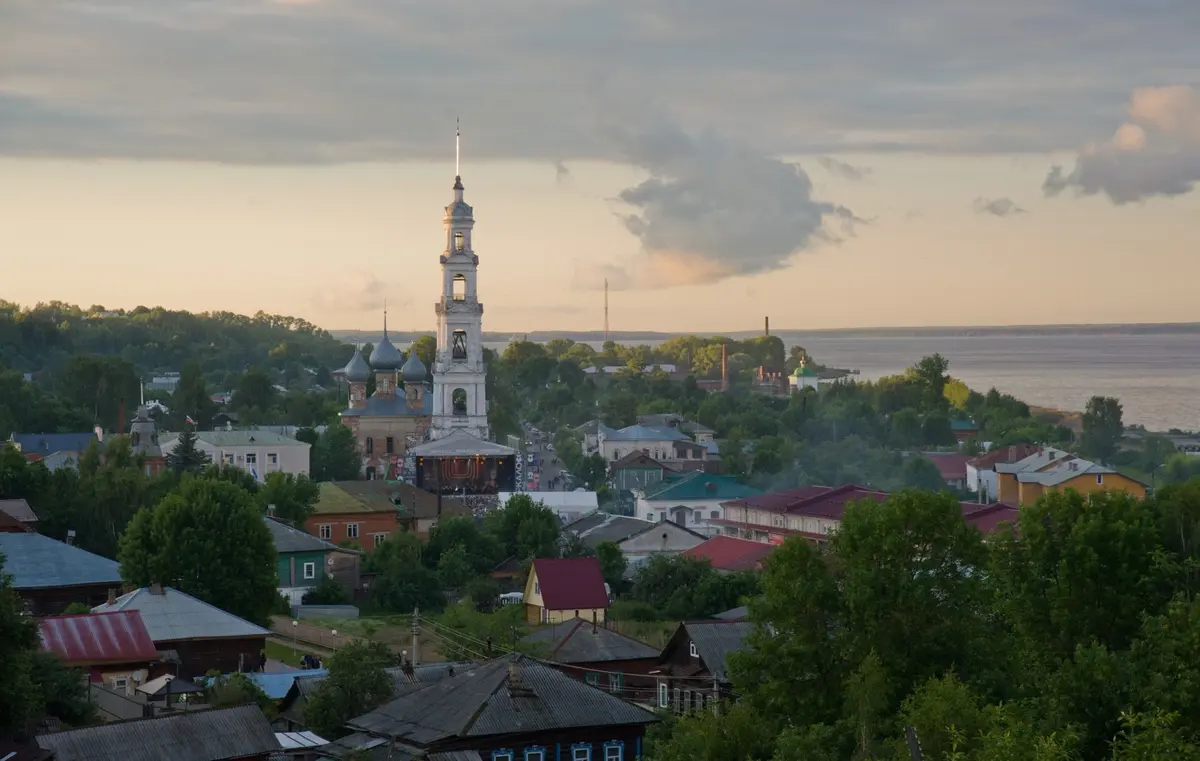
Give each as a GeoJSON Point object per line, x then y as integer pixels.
{"type": "Point", "coordinates": [1155, 153]}
{"type": "Point", "coordinates": [263, 81]}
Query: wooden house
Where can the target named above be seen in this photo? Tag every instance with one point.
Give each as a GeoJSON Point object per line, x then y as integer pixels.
{"type": "Point", "coordinates": [561, 589]}
{"type": "Point", "coordinates": [693, 664]}
{"type": "Point", "coordinates": [600, 657]}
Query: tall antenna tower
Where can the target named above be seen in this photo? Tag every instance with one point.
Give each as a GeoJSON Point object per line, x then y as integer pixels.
{"type": "Point", "coordinates": [605, 310]}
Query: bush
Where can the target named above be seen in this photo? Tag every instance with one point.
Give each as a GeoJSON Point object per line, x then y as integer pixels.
{"type": "Point", "coordinates": [632, 610]}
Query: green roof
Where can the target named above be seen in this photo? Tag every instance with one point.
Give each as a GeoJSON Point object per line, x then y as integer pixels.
{"type": "Point", "coordinates": [963, 425]}
{"type": "Point", "coordinates": [805, 372]}
{"type": "Point", "coordinates": [698, 485]}
{"type": "Point", "coordinates": [335, 499]}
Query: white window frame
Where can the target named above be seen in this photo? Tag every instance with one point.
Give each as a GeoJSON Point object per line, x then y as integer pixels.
{"type": "Point", "coordinates": [535, 754]}
{"type": "Point", "coordinates": [692, 651]}
{"type": "Point", "coordinates": [251, 458]}
{"type": "Point", "coordinates": [377, 539]}
{"type": "Point", "coordinates": [502, 755]}
{"type": "Point", "coordinates": [581, 753]}
{"type": "Point", "coordinates": [325, 531]}
{"type": "Point", "coordinates": [310, 570]}
{"type": "Point", "coordinates": [121, 683]}
{"type": "Point", "coordinates": [351, 530]}
{"type": "Point", "coordinates": [272, 458]}
{"type": "Point", "coordinates": [664, 695]}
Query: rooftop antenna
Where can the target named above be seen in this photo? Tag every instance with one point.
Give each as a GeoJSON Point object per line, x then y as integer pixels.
{"type": "Point", "coordinates": [605, 310]}
{"type": "Point", "coordinates": [457, 142]}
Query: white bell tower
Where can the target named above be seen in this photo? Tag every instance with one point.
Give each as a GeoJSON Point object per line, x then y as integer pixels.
{"type": "Point", "coordinates": [459, 373]}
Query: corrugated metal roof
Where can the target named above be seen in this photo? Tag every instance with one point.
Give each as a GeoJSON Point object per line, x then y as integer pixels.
{"type": "Point", "coordinates": [607, 527]}
{"type": "Point", "coordinates": [571, 583]}
{"type": "Point", "coordinates": [289, 539]}
{"type": "Point", "coordinates": [294, 740]}
{"type": "Point", "coordinates": [727, 553]}
{"type": "Point", "coordinates": [460, 443]}
{"type": "Point", "coordinates": [717, 639]}
{"type": "Point", "coordinates": [580, 642]}
{"type": "Point", "coordinates": [274, 684]}
{"type": "Point", "coordinates": [48, 443]}
{"type": "Point", "coordinates": [645, 433]}
{"type": "Point", "coordinates": [18, 509]}
{"type": "Point", "coordinates": [487, 701]}
{"type": "Point", "coordinates": [39, 562]}
{"type": "Point", "coordinates": [212, 735]}
{"type": "Point", "coordinates": [118, 637]}
{"type": "Point", "coordinates": [698, 485]}
{"type": "Point", "coordinates": [173, 616]}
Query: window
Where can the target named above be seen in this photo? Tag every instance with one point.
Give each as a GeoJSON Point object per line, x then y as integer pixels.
{"type": "Point", "coordinates": [614, 682]}
{"type": "Point", "coordinates": [1099, 478]}
{"type": "Point", "coordinates": [272, 458]}
{"type": "Point", "coordinates": [227, 459]}
{"type": "Point", "coordinates": [378, 539]}
{"type": "Point", "coordinates": [535, 754]}
{"type": "Point", "coordinates": [371, 473]}
{"type": "Point", "coordinates": [391, 445]}
{"type": "Point", "coordinates": [251, 458]}
{"type": "Point", "coordinates": [502, 755]}
{"type": "Point", "coordinates": [351, 530]}
{"type": "Point", "coordinates": [678, 702]}
{"type": "Point", "coordinates": [692, 651]}
{"type": "Point", "coordinates": [460, 242]}
{"type": "Point", "coordinates": [325, 531]}
{"type": "Point", "coordinates": [714, 515]}
{"type": "Point", "coordinates": [459, 345]}
{"type": "Point", "coordinates": [310, 570]}
{"type": "Point", "coordinates": [537, 588]}
{"type": "Point", "coordinates": [120, 684]}
{"type": "Point", "coordinates": [370, 445]}
{"type": "Point", "coordinates": [664, 695]}
{"type": "Point", "coordinates": [458, 400]}
{"type": "Point", "coordinates": [458, 290]}
{"type": "Point", "coordinates": [581, 752]}
{"type": "Point", "coordinates": [592, 679]}
{"type": "Point", "coordinates": [614, 751]}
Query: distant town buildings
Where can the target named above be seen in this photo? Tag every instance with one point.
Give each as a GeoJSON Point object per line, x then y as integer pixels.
{"type": "Point", "coordinates": [260, 453]}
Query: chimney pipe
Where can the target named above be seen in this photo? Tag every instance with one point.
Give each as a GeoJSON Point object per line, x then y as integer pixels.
{"type": "Point", "coordinates": [112, 595]}
{"type": "Point", "coordinates": [71, 536]}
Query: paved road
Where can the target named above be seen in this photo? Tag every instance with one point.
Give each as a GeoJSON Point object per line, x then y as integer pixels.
{"type": "Point", "coordinates": [548, 469]}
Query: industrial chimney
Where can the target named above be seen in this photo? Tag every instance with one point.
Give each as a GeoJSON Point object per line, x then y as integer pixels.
{"type": "Point", "coordinates": [767, 325]}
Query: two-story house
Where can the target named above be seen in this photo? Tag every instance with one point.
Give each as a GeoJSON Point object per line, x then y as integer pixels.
{"type": "Point", "coordinates": [368, 512]}
{"type": "Point", "coordinates": [513, 708]}
{"type": "Point", "coordinates": [1049, 471]}
{"type": "Point", "coordinates": [639, 540]}
{"type": "Point", "coordinates": [638, 470]}
{"type": "Point", "coordinates": [302, 560]}
{"type": "Point", "coordinates": [981, 470]}
{"type": "Point", "coordinates": [258, 452]}
{"type": "Point", "coordinates": [692, 500]}
{"type": "Point", "coordinates": [658, 442]}
{"type": "Point", "coordinates": [600, 657]}
{"type": "Point", "coordinates": [560, 589]}
{"type": "Point", "coordinates": [695, 672]}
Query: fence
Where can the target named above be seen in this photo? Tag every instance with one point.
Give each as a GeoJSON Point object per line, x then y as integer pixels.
{"type": "Point", "coordinates": [340, 612]}
{"type": "Point", "coordinates": [308, 634]}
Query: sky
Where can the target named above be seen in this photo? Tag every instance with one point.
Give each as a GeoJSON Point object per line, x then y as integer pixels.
{"type": "Point", "coordinates": [852, 164]}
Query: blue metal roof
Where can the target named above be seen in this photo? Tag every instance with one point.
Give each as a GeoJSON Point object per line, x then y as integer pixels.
{"type": "Point", "coordinates": [275, 684]}
{"type": "Point", "coordinates": [391, 406]}
{"type": "Point", "coordinates": [646, 433]}
{"type": "Point", "coordinates": [39, 562]}
{"type": "Point", "coordinates": [49, 443]}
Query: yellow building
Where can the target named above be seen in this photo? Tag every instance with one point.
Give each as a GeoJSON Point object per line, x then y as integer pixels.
{"type": "Point", "coordinates": [1053, 470]}
{"type": "Point", "coordinates": [562, 589]}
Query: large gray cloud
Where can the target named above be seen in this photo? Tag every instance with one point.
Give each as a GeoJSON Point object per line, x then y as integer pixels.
{"type": "Point", "coordinates": [712, 209]}
{"type": "Point", "coordinates": [1155, 153]}
{"type": "Point", "coordinates": [341, 80]}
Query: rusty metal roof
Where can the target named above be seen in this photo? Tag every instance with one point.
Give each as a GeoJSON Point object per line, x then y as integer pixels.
{"type": "Point", "coordinates": [98, 638]}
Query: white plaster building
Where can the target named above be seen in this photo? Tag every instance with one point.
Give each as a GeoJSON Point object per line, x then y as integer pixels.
{"type": "Point", "coordinates": [258, 452]}
{"type": "Point", "coordinates": [459, 373]}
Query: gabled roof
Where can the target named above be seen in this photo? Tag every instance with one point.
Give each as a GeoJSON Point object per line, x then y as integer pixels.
{"type": "Point", "coordinates": [570, 583]}
{"type": "Point", "coordinates": [1043, 457]}
{"type": "Point", "coordinates": [963, 425]}
{"type": "Point", "coordinates": [665, 526]}
{"type": "Point", "coordinates": [698, 486]}
{"type": "Point", "coordinates": [459, 443]}
{"type": "Point", "coordinates": [645, 433]}
{"type": "Point", "coordinates": [39, 562]}
{"type": "Point", "coordinates": [512, 694]}
{"type": "Point", "coordinates": [580, 641]}
{"type": "Point", "coordinates": [354, 497]}
{"type": "Point", "coordinates": [714, 641]}
{"type": "Point", "coordinates": [48, 443]}
{"type": "Point", "coordinates": [18, 509]}
{"type": "Point", "coordinates": [952, 466]}
{"type": "Point", "coordinates": [727, 553]}
{"type": "Point", "coordinates": [1009, 454]}
{"type": "Point", "coordinates": [606, 527]}
{"type": "Point", "coordinates": [987, 518]}
{"type": "Point", "coordinates": [1066, 470]}
{"type": "Point", "coordinates": [811, 501]}
{"type": "Point", "coordinates": [734, 614]}
{"type": "Point", "coordinates": [638, 459]}
{"type": "Point", "coordinates": [208, 735]}
{"type": "Point", "coordinates": [92, 638]}
{"type": "Point", "coordinates": [289, 539]}
{"type": "Point", "coordinates": [173, 616]}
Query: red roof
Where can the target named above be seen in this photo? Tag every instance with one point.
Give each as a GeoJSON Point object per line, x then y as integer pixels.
{"type": "Point", "coordinates": [119, 637]}
{"type": "Point", "coordinates": [812, 501]}
{"type": "Point", "coordinates": [987, 518]}
{"type": "Point", "coordinates": [1009, 454]}
{"type": "Point", "coordinates": [727, 553]}
{"type": "Point", "coordinates": [570, 583]}
{"type": "Point", "coordinates": [953, 467]}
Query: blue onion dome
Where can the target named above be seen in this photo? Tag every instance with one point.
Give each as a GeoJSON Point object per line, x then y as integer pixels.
{"type": "Point", "coordinates": [385, 356]}
{"type": "Point", "coordinates": [414, 369]}
{"type": "Point", "coordinates": [356, 369]}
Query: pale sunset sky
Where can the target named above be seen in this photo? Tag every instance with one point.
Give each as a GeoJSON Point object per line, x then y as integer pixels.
{"type": "Point", "coordinates": [863, 163]}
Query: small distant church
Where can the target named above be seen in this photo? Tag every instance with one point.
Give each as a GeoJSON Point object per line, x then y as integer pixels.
{"type": "Point", "coordinates": [143, 442]}
{"type": "Point", "coordinates": [405, 410]}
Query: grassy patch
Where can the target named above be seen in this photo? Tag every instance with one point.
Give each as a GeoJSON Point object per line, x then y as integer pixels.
{"type": "Point", "coordinates": [280, 652]}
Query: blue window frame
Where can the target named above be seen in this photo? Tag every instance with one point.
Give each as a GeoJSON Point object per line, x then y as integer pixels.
{"type": "Point", "coordinates": [581, 752]}
{"type": "Point", "coordinates": [592, 679]}
{"type": "Point", "coordinates": [614, 750]}
{"type": "Point", "coordinates": [502, 755]}
{"type": "Point", "coordinates": [535, 753]}
{"type": "Point", "coordinates": [614, 682]}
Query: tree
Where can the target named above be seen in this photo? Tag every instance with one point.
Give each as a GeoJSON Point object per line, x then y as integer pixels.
{"type": "Point", "coordinates": [191, 397]}
{"type": "Point", "coordinates": [1102, 427]}
{"type": "Point", "coordinates": [524, 528]}
{"type": "Point", "coordinates": [357, 683]}
{"type": "Point", "coordinates": [684, 588]}
{"type": "Point", "coordinates": [454, 567]}
{"type": "Point", "coordinates": [336, 456]}
{"type": "Point", "coordinates": [228, 690]}
{"type": "Point", "coordinates": [100, 384]}
{"type": "Point", "coordinates": [186, 457]}
{"type": "Point", "coordinates": [612, 563]}
{"type": "Point", "coordinates": [921, 473]}
{"type": "Point", "coordinates": [930, 376]}
{"type": "Point", "coordinates": [326, 592]}
{"type": "Point", "coordinates": [255, 390]}
{"type": "Point", "coordinates": [292, 496]}
{"type": "Point", "coordinates": [207, 539]}
{"type": "Point", "coordinates": [404, 581]}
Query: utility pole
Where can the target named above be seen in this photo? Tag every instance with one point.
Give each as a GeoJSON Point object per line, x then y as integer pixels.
{"type": "Point", "coordinates": [416, 632]}
{"type": "Point", "coordinates": [605, 310]}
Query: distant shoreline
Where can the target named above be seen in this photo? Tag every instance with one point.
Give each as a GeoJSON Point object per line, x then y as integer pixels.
{"type": "Point", "coordinates": [630, 336]}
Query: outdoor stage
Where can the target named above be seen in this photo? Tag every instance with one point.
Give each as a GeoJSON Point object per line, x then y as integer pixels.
{"type": "Point", "coordinates": [463, 464]}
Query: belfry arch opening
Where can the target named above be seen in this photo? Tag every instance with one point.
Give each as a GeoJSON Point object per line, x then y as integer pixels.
{"type": "Point", "coordinates": [458, 401]}
{"type": "Point", "coordinates": [458, 288]}
{"type": "Point", "coordinates": [458, 348]}
{"type": "Point", "coordinates": [460, 242]}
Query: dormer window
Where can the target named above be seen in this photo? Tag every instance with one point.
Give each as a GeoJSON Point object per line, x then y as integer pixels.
{"type": "Point", "coordinates": [692, 651]}
{"type": "Point", "coordinates": [460, 242]}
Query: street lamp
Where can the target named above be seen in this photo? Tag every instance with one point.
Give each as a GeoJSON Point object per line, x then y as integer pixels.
{"type": "Point", "coordinates": [294, 625]}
